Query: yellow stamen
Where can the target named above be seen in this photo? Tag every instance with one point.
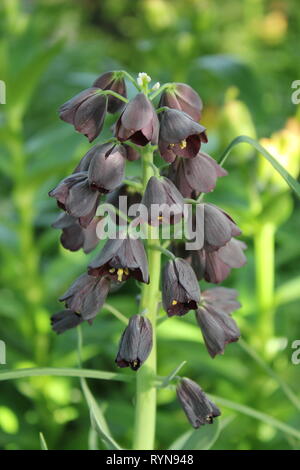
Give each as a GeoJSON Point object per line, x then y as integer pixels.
{"type": "Point", "coordinates": [120, 274]}
{"type": "Point", "coordinates": [111, 270]}
{"type": "Point", "coordinates": [182, 144]}
{"type": "Point", "coordinates": [135, 363]}
{"type": "Point", "coordinates": [171, 145]}
{"type": "Point", "coordinates": [126, 271]}
{"type": "Point", "coordinates": [160, 217]}
{"type": "Point", "coordinates": [174, 302]}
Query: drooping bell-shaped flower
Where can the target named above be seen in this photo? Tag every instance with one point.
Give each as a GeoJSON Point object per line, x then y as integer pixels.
{"type": "Point", "coordinates": [197, 407]}
{"type": "Point", "coordinates": [74, 236]}
{"type": "Point", "coordinates": [86, 112]}
{"type": "Point", "coordinates": [138, 122]}
{"type": "Point", "coordinates": [65, 320]}
{"type": "Point", "coordinates": [121, 259]}
{"type": "Point", "coordinates": [112, 81]}
{"type": "Point", "coordinates": [193, 176]}
{"type": "Point", "coordinates": [136, 343]}
{"type": "Point", "coordinates": [213, 317]}
{"type": "Point", "coordinates": [184, 98]}
{"type": "Point", "coordinates": [163, 201]}
{"type": "Point", "coordinates": [180, 288]}
{"type": "Point", "coordinates": [215, 266]}
{"type": "Point", "coordinates": [214, 227]}
{"type": "Point", "coordinates": [75, 195]}
{"type": "Point", "coordinates": [179, 135]}
{"type": "Point", "coordinates": [107, 167]}
{"type": "Point", "coordinates": [86, 295]}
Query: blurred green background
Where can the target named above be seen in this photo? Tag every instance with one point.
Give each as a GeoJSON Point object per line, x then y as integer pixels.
{"type": "Point", "coordinates": [242, 58]}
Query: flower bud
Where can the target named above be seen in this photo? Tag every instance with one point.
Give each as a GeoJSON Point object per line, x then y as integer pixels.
{"type": "Point", "coordinates": [138, 122]}
{"type": "Point", "coordinates": [184, 98]}
{"type": "Point", "coordinates": [136, 343]}
{"type": "Point", "coordinates": [197, 407]}
{"type": "Point", "coordinates": [180, 290]}
{"type": "Point", "coordinates": [179, 135]}
{"type": "Point", "coordinates": [213, 317]}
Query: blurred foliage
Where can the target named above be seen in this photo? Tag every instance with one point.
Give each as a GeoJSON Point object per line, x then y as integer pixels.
{"type": "Point", "coordinates": [242, 59]}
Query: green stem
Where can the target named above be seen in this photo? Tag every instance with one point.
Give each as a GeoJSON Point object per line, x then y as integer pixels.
{"type": "Point", "coordinates": [113, 93]}
{"type": "Point", "coordinates": [264, 242]}
{"type": "Point", "coordinates": [145, 411]}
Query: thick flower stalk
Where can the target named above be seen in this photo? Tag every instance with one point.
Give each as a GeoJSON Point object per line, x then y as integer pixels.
{"type": "Point", "coordinates": [143, 128]}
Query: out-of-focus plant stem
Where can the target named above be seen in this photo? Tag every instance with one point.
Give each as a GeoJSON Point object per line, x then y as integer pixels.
{"type": "Point", "coordinates": [264, 244]}
{"type": "Point", "coordinates": [145, 412]}
{"type": "Point", "coordinates": [23, 194]}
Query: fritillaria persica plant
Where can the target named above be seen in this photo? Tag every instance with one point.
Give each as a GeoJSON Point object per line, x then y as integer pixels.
{"type": "Point", "coordinates": [171, 129]}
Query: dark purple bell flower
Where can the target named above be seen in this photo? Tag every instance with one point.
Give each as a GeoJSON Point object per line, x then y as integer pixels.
{"type": "Point", "coordinates": [87, 295]}
{"type": "Point", "coordinates": [213, 317]}
{"type": "Point", "coordinates": [197, 407]}
{"type": "Point", "coordinates": [184, 98]}
{"type": "Point", "coordinates": [75, 195]}
{"type": "Point", "coordinates": [180, 288]}
{"type": "Point", "coordinates": [112, 81]}
{"type": "Point", "coordinates": [86, 112]}
{"type": "Point", "coordinates": [138, 122]}
{"type": "Point", "coordinates": [74, 236]}
{"type": "Point", "coordinates": [162, 192]}
{"type": "Point", "coordinates": [216, 265]}
{"type": "Point", "coordinates": [107, 167]}
{"type": "Point", "coordinates": [136, 343]}
{"type": "Point", "coordinates": [179, 135]}
{"type": "Point", "coordinates": [121, 259]}
{"type": "Point", "coordinates": [114, 198]}
{"type": "Point", "coordinates": [65, 320]}
{"type": "Point", "coordinates": [193, 176]}
{"type": "Point", "coordinates": [214, 227]}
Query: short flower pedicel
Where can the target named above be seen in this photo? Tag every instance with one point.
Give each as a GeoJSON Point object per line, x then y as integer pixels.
{"type": "Point", "coordinates": [170, 127]}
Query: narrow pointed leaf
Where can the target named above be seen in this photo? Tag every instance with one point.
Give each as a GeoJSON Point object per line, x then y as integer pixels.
{"type": "Point", "coordinates": [200, 439]}
{"type": "Point", "coordinates": [294, 184]}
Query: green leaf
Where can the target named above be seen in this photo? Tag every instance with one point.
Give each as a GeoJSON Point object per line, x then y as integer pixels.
{"type": "Point", "coordinates": [31, 74]}
{"type": "Point", "coordinates": [243, 139]}
{"type": "Point", "coordinates": [288, 292]}
{"type": "Point", "coordinates": [43, 442]}
{"type": "Point", "coordinates": [67, 372]}
{"type": "Point", "coordinates": [171, 376]}
{"type": "Point", "coordinates": [200, 439]}
{"type": "Point", "coordinates": [97, 419]}
{"type": "Point", "coordinates": [282, 384]}
{"type": "Point", "coordinates": [263, 417]}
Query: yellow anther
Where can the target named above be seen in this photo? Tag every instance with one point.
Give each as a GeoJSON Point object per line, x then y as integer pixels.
{"type": "Point", "coordinates": [126, 271]}
{"type": "Point", "coordinates": [120, 274]}
{"type": "Point", "coordinates": [160, 217]}
{"type": "Point", "coordinates": [182, 144]}
{"type": "Point", "coordinates": [134, 363]}
{"type": "Point", "coordinates": [111, 270]}
{"type": "Point", "coordinates": [171, 145]}
{"type": "Point", "coordinates": [174, 302]}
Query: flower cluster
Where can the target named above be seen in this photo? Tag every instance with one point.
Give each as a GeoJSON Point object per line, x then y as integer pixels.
{"type": "Point", "coordinates": [173, 130]}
